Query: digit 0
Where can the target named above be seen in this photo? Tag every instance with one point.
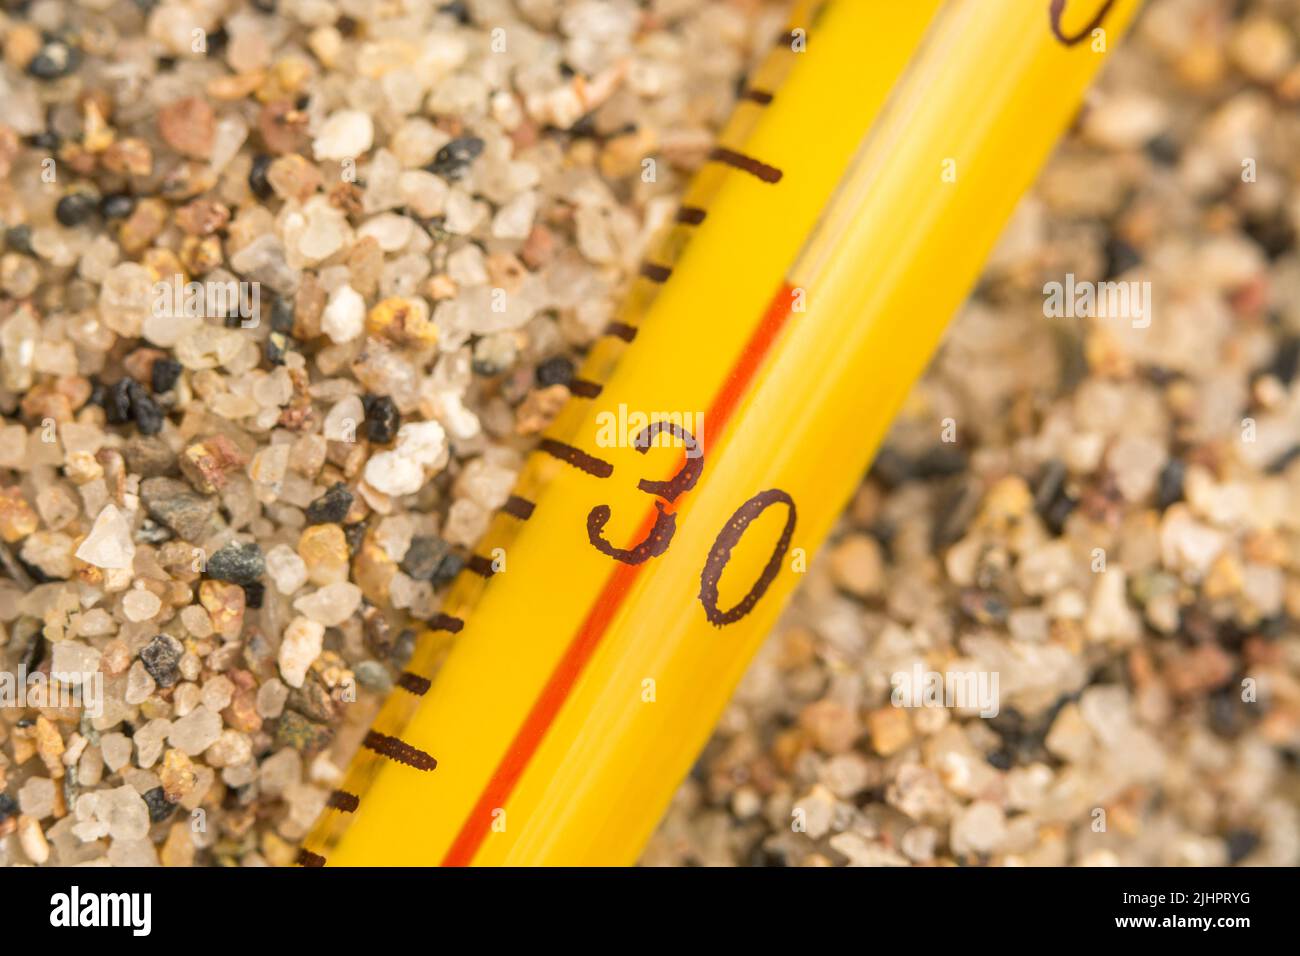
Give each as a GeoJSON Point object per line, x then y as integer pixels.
{"type": "Point", "coordinates": [720, 554]}
{"type": "Point", "coordinates": [1057, 10]}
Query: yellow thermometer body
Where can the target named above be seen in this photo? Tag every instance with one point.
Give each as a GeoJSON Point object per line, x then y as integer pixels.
{"type": "Point", "coordinates": [715, 434]}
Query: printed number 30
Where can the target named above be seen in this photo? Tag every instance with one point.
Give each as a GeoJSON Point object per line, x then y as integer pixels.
{"type": "Point", "coordinates": [660, 535]}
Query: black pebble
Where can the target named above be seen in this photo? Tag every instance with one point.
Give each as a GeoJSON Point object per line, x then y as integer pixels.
{"type": "Point", "coordinates": [1021, 740]}
{"type": "Point", "coordinates": [33, 572]}
{"type": "Point", "coordinates": [282, 315]}
{"type": "Point", "coordinates": [160, 808]}
{"type": "Point", "coordinates": [1120, 257]}
{"type": "Point", "coordinates": [254, 594]}
{"type": "Point", "coordinates": [585, 126]}
{"type": "Point", "coordinates": [1222, 713]}
{"type": "Point", "coordinates": [161, 657]}
{"type": "Point", "coordinates": [382, 419]}
{"type": "Point", "coordinates": [19, 239]}
{"type": "Point", "coordinates": [403, 647]}
{"type": "Point", "coordinates": [891, 467]}
{"type": "Point", "coordinates": [422, 557]}
{"type": "Point", "coordinates": [1275, 626]}
{"type": "Point", "coordinates": [1241, 844]}
{"type": "Point", "coordinates": [448, 568]}
{"type": "Point", "coordinates": [237, 563]}
{"type": "Point", "coordinates": [1052, 500]}
{"type": "Point", "coordinates": [34, 653]}
{"type": "Point", "coordinates": [1169, 489]}
{"type": "Point", "coordinates": [1272, 231]}
{"type": "Point", "coordinates": [331, 507]}
{"type": "Point", "coordinates": [116, 205]}
{"type": "Point", "coordinates": [1163, 149]}
{"type": "Point", "coordinates": [1058, 512]}
{"type": "Point", "coordinates": [257, 177]}
{"type": "Point", "coordinates": [275, 347]}
{"type": "Point", "coordinates": [75, 208]}
{"type": "Point", "coordinates": [555, 371]}
{"type": "Point", "coordinates": [1009, 723]}
{"type": "Point", "coordinates": [46, 139]}
{"type": "Point", "coordinates": [1286, 360]}
{"type": "Point", "coordinates": [8, 807]}
{"type": "Point", "coordinates": [454, 158]}
{"type": "Point", "coordinates": [117, 402]}
{"type": "Point", "coordinates": [1283, 461]}
{"type": "Point", "coordinates": [1002, 759]}
{"type": "Point", "coordinates": [128, 401]}
{"type": "Point", "coordinates": [165, 373]}
{"type": "Point", "coordinates": [56, 59]}
{"type": "Point", "coordinates": [148, 416]}
{"type": "Point", "coordinates": [459, 10]}
{"type": "Point", "coordinates": [940, 461]}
